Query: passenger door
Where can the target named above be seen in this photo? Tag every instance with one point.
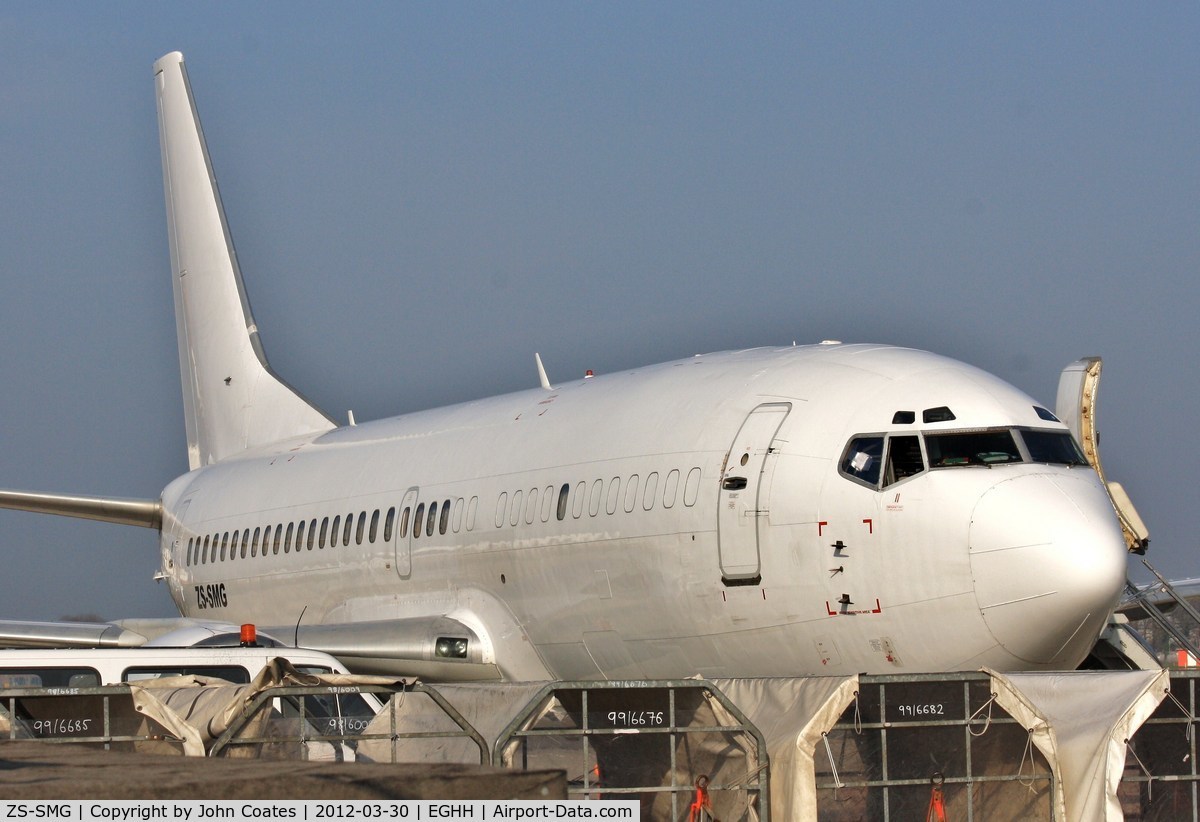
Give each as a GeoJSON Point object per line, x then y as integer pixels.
{"type": "Point", "coordinates": [744, 492]}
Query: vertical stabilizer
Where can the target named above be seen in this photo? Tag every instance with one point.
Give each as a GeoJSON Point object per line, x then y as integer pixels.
{"type": "Point", "coordinates": [232, 399]}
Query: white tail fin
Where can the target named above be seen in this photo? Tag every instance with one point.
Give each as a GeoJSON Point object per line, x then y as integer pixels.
{"type": "Point", "coordinates": [232, 399]}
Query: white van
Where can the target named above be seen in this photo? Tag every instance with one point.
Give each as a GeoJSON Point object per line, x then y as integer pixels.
{"type": "Point", "coordinates": [90, 667]}
{"type": "Point", "coordinates": [72, 668]}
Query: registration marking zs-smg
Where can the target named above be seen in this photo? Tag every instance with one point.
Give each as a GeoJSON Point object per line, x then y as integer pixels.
{"type": "Point", "coordinates": [211, 596]}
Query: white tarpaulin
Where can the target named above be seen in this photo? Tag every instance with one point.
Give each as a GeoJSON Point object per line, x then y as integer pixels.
{"type": "Point", "coordinates": [792, 715]}
{"type": "Point", "coordinates": [199, 710]}
{"type": "Point", "coordinates": [1080, 721]}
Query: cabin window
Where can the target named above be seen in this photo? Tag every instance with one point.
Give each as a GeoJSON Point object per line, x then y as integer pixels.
{"type": "Point", "coordinates": [404, 515]}
{"type": "Point", "coordinates": [547, 502]}
{"type": "Point", "coordinates": [324, 532]}
{"type": "Point", "coordinates": [254, 544]}
{"type": "Point", "coordinates": [299, 536]}
{"type": "Point", "coordinates": [224, 544]}
{"type": "Point", "coordinates": [362, 525]}
{"type": "Point", "coordinates": [580, 499]}
{"type": "Point", "coordinates": [614, 494]}
{"type": "Point", "coordinates": [388, 522]}
{"type": "Point", "coordinates": [458, 514]}
{"type": "Point", "coordinates": [650, 492]}
{"type": "Point", "coordinates": [595, 498]}
{"type": "Point", "coordinates": [531, 505]}
{"type": "Point", "coordinates": [444, 521]}
{"type": "Point", "coordinates": [516, 508]}
{"type": "Point", "coordinates": [230, 673]}
{"type": "Point", "coordinates": [245, 542]}
{"type": "Point", "coordinates": [563, 496]}
{"type": "Point", "coordinates": [287, 537]}
{"type": "Point", "coordinates": [418, 520]}
{"type": "Point", "coordinates": [188, 560]}
{"type": "Point", "coordinates": [631, 494]}
{"type": "Point", "coordinates": [374, 532]}
{"type": "Point", "coordinates": [277, 539]}
{"type": "Point", "coordinates": [346, 529]}
{"type": "Point", "coordinates": [501, 509]}
{"type": "Point", "coordinates": [671, 488]}
{"type": "Point", "coordinates": [233, 546]}
{"type": "Point", "coordinates": [333, 532]}
{"type": "Point", "coordinates": [691, 487]}
{"type": "Point", "coordinates": [312, 533]}
{"type": "Point", "coordinates": [472, 507]}
{"type": "Point", "coordinates": [432, 518]}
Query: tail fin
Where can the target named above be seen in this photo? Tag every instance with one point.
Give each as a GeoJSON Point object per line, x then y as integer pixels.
{"type": "Point", "coordinates": [232, 399]}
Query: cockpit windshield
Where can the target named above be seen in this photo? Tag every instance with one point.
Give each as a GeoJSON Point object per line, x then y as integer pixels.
{"type": "Point", "coordinates": [971, 448]}
{"type": "Point", "coordinates": [880, 460]}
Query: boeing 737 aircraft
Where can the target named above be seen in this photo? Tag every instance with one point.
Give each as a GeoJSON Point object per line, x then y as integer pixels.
{"type": "Point", "coordinates": [777, 511]}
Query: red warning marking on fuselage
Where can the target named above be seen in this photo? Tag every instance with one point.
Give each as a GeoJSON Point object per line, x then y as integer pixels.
{"type": "Point", "coordinates": [821, 528]}
{"type": "Point", "coordinates": [870, 526]}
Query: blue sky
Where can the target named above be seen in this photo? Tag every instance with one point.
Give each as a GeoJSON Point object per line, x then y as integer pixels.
{"type": "Point", "coordinates": [424, 195]}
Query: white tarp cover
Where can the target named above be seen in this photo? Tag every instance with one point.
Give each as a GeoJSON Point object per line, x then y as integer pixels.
{"type": "Point", "coordinates": [199, 710]}
{"type": "Point", "coordinates": [1080, 721]}
{"type": "Point", "coordinates": [792, 715]}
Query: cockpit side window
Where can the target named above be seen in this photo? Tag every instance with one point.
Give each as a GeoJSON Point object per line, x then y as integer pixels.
{"type": "Point", "coordinates": [1054, 447]}
{"type": "Point", "coordinates": [903, 459]}
{"type": "Point", "coordinates": [879, 460]}
{"type": "Point", "coordinates": [971, 448]}
{"type": "Point", "coordinates": [863, 459]}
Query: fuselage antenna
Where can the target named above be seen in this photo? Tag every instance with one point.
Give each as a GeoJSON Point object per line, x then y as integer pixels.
{"type": "Point", "coordinates": [545, 381]}
{"type": "Point", "coordinates": [296, 633]}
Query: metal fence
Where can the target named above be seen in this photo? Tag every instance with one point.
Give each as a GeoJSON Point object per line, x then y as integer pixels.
{"type": "Point", "coordinates": [103, 716]}
{"type": "Point", "coordinates": [303, 722]}
{"type": "Point", "coordinates": [669, 744]}
{"type": "Point", "coordinates": [906, 744]}
{"type": "Point", "coordinates": [911, 745]}
{"type": "Point", "coordinates": [1161, 779]}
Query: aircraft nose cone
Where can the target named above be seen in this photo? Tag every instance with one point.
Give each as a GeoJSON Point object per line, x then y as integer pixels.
{"type": "Point", "coordinates": [1049, 564]}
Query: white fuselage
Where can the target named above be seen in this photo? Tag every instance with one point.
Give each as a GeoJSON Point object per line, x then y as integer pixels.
{"type": "Point", "coordinates": [706, 527]}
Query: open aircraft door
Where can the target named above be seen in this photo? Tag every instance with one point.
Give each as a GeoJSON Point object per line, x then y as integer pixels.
{"type": "Point", "coordinates": [404, 534]}
{"type": "Point", "coordinates": [745, 488]}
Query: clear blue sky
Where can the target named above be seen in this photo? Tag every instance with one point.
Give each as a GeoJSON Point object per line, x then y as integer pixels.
{"type": "Point", "coordinates": [424, 195]}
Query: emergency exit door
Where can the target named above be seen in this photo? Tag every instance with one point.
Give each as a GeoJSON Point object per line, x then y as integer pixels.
{"type": "Point", "coordinates": [744, 493]}
{"type": "Point", "coordinates": [404, 530]}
